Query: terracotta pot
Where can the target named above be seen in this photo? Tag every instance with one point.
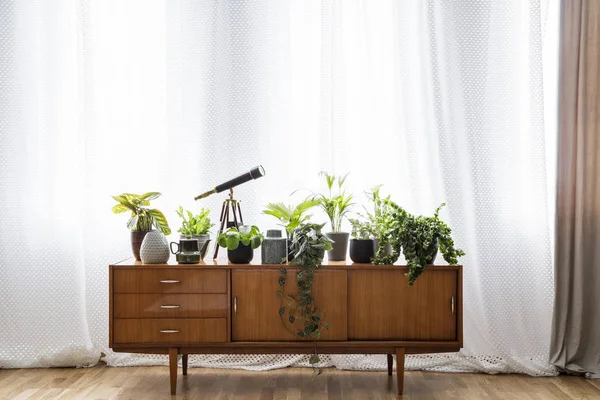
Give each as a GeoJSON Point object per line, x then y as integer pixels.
{"type": "Point", "coordinates": [137, 237]}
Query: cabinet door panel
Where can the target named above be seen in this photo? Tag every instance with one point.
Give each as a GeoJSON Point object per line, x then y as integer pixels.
{"type": "Point", "coordinates": [255, 314]}
{"type": "Point", "coordinates": [382, 306]}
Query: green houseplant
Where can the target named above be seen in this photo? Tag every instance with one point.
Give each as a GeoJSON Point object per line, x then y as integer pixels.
{"type": "Point", "coordinates": [362, 244]}
{"type": "Point", "coordinates": [142, 218]}
{"type": "Point", "coordinates": [196, 227]}
{"type": "Point", "coordinates": [418, 237]}
{"type": "Point", "coordinates": [240, 243]}
{"type": "Point", "coordinates": [309, 246]}
{"type": "Point", "coordinates": [336, 206]}
{"type": "Point", "coordinates": [291, 217]}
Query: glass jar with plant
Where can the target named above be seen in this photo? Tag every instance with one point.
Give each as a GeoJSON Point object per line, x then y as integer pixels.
{"type": "Point", "coordinates": [309, 246]}
{"type": "Point", "coordinates": [196, 227]}
{"type": "Point", "coordinates": [142, 219]}
{"type": "Point", "coordinates": [362, 244]}
{"type": "Point", "coordinates": [240, 243]}
{"type": "Point", "coordinates": [419, 238]}
{"type": "Point", "coordinates": [291, 217]}
{"type": "Point", "coordinates": [336, 207]}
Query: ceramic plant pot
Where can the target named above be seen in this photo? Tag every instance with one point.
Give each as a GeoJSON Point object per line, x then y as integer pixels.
{"type": "Point", "coordinates": [340, 246]}
{"type": "Point", "coordinates": [155, 248]}
{"type": "Point", "coordinates": [137, 237]}
{"type": "Point", "coordinates": [387, 250]}
{"type": "Point", "coordinates": [241, 255]}
{"type": "Point", "coordinates": [362, 250]}
{"type": "Point", "coordinates": [203, 242]}
{"type": "Point", "coordinates": [274, 248]}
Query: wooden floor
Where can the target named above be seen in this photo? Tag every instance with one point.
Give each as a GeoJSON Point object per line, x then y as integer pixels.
{"type": "Point", "coordinates": [102, 382]}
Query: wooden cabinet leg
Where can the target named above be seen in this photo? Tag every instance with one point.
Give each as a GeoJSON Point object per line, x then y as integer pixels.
{"type": "Point", "coordinates": [400, 368]}
{"type": "Point", "coordinates": [184, 363]}
{"type": "Point", "coordinates": [173, 351]}
{"type": "Point", "coordinates": [390, 360]}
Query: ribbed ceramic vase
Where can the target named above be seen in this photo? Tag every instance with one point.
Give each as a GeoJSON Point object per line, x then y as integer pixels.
{"type": "Point", "coordinates": [155, 248]}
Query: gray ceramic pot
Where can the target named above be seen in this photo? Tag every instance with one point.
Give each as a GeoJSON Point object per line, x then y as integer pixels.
{"type": "Point", "coordinates": [388, 248]}
{"type": "Point", "coordinates": [203, 242]}
{"type": "Point", "coordinates": [273, 248]}
{"type": "Point", "coordinates": [340, 246]}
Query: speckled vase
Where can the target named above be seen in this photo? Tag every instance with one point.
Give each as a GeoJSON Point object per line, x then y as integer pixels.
{"type": "Point", "coordinates": [155, 248]}
{"type": "Point", "coordinates": [274, 247]}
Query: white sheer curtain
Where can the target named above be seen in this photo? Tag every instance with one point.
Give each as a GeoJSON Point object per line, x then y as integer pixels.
{"type": "Point", "coordinates": [439, 101]}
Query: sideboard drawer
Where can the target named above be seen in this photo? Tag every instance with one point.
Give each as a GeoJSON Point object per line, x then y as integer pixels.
{"type": "Point", "coordinates": [167, 280]}
{"type": "Point", "coordinates": [151, 305]}
{"type": "Point", "coordinates": [172, 330]}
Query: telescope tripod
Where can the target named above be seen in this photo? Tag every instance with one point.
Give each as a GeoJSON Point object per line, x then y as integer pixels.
{"type": "Point", "coordinates": [230, 209]}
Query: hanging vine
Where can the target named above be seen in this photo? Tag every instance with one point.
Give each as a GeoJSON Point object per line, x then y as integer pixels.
{"type": "Point", "coordinates": [308, 248]}
{"type": "Point", "coordinates": [419, 238]}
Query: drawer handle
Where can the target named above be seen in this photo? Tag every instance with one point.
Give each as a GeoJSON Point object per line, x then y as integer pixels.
{"type": "Point", "coordinates": [169, 306]}
{"type": "Point", "coordinates": [453, 306]}
{"type": "Point", "coordinates": [235, 304]}
{"type": "Point", "coordinates": [169, 281]}
{"type": "Point", "coordinates": [169, 331]}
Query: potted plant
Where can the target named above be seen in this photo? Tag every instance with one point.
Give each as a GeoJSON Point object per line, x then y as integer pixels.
{"type": "Point", "coordinates": [381, 220]}
{"type": "Point", "coordinates": [143, 218]}
{"type": "Point", "coordinates": [196, 227]}
{"type": "Point", "coordinates": [362, 244]}
{"type": "Point", "coordinates": [240, 243]}
{"type": "Point", "coordinates": [419, 238]}
{"type": "Point", "coordinates": [309, 246]}
{"type": "Point", "coordinates": [336, 207]}
{"type": "Point", "coordinates": [291, 217]}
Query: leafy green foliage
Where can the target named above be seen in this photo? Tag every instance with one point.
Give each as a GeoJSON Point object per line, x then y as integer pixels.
{"type": "Point", "coordinates": [246, 235]}
{"type": "Point", "coordinates": [418, 237]}
{"type": "Point", "coordinates": [362, 229]}
{"type": "Point", "coordinates": [291, 217]}
{"type": "Point", "coordinates": [308, 246]}
{"type": "Point", "coordinates": [336, 207]}
{"type": "Point", "coordinates": [198, 224]}
{"type": "Point", "coordinates": [143, 218]}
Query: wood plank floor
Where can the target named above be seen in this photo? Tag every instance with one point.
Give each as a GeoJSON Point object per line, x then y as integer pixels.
{"type": "Point", "coordinates": [136, 383]}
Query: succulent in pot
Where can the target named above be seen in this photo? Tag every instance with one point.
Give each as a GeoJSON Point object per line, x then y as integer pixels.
{"type": "Point", "coordinates": [196, 227]}
{"type": "Point", "coordinates": [142, 219]}
{"type": "Point", "coordinates": [336, 207]}
{"type": "Point", "coordinates": [240, 243]}
{"type": "Point", "coordinates": [362, 244]}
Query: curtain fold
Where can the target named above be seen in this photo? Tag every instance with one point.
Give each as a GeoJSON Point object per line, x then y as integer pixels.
{"type": "Point", "coordinates": [575, 344]}
{"type": "Point", "coordinates": [437, 100]}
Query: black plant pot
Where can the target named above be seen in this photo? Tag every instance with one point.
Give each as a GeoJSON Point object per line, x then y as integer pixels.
{"type": "Point", "coordinates": [362, 251]}
{"type": "Point", "coordinates": [241, 255]}
{"type": "Point", "coordinates": [340, 246]}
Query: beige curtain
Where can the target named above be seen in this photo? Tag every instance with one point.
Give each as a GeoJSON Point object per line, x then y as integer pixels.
{"type": "Point", "coordinates": [575, 344]}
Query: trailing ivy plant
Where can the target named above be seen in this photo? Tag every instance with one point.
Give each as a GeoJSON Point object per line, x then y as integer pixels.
{"type": "Point", "coordinates": [419, 238]}
{"type": "Point", "coordinates": [308, 246]}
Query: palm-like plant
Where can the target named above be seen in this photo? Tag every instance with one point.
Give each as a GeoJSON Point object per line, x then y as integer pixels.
{"type": "Point", "coordinates": [291, 217]}
{"type": "Point", "coordinates": [143, 218]}
{"type": "Point", "coordinates": [336, 207]}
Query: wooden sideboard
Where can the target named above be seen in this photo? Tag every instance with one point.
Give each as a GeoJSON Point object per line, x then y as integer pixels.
{"type": "Point", "coordinates": [217, 308]}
